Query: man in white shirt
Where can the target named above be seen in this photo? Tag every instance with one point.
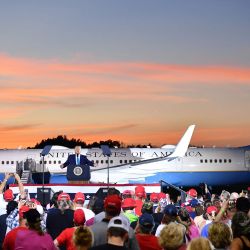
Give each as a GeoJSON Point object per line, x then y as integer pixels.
{"type": "Point", "coordinates": [78, 204]}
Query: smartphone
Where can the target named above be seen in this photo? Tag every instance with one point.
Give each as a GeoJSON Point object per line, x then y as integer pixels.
{"type": "Point", "coordinates": [26, 191]}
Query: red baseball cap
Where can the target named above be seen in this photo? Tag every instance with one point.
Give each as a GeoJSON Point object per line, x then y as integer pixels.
{"type": "Point", "coordinates": [79, 197]}
{"type": "Point", "coordinates": [128, 192]}
{"type": "Point", "coordinates": [8, 195]}
{"type": "Point", "coordinates": [162, 195]}
{"type": "Point", "coordinates": [128, 202]}
{"type": "Point", "coordinates": [22, 210]}
{"type": "Point", "coordinates": [192, 192]}
{"type": "Point", "coordinates": [154, 197]}
{"type": "Point", "coordinates": [212, 209]}
{"type": "Point", "coordinates": [140, 192]}
{"type": "Point", "coordinates": [113, 202]}
{"type": "Point", "coordinates": [63, 196]}
{"type": "Point", "coordinates": [79, 217]}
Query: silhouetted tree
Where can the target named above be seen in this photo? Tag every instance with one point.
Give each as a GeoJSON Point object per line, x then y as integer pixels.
{"type": "Point", "coordinates": [109, 142]}
{"type": "Point", "coordinates": [62, 140]}
{"type": "Point", "coordinates": [140, 146]}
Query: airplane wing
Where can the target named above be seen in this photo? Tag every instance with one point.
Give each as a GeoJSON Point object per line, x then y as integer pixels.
{"type": "Point", "coordinates": [144, 168]}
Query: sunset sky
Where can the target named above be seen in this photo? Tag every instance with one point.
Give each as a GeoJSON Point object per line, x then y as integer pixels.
{"type": "Point", "coordinates": [135, 71]}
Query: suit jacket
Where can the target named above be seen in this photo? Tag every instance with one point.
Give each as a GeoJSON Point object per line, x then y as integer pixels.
{"type": "Point", "coordinates": [72, 161]}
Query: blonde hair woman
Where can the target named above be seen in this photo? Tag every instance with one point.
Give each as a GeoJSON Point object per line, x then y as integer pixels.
{"type": "Point", "coordinates": [200, 244]}
{"type": "Point", "coordinates": [171, 237]}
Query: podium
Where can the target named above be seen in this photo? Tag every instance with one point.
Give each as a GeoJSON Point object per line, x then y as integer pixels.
{"type": "Point", "coordinates": [78, 173]}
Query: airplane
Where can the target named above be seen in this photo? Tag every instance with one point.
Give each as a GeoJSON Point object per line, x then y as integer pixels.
{"type": "Point", "coordinates": [179, 165]}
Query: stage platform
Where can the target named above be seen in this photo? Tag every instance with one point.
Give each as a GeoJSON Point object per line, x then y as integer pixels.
{"type": "Point", "coordinates": [88, 189]}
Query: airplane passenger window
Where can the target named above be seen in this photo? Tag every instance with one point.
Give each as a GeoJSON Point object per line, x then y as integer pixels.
{"type": "Point", "coordinates": [97, 161]}
{"type": "Point", "coordinates": [215, 160]}
{"type": "Point", "coordinates": [12, 162]}
{"type": "Point", "coordinates": [54, 162]}
{"type": "Point", "coordinates": [201, 161]}
{"type": "Point", "coordinates": [7, 162]}
{"type": "Point", "coordinates": [2, 162]}
{"type": "Point", "coordinates": [229, 160]}
{"type": "Point", "coordinates": [111, 161]}
{"type": "Point", "coordinates": [211, 160]}
{"type": "Point", "coordinates": [121, 161]}
{"type": "Point", "coordinates": [49, 162]}
{"type": "Point", "coordinates": [125, 161]}
{"type": "Point", "coordinates": [101, 161]}
{"type": "Point", "coordinates": [130, 161]}
{"type": "Point", "coordinates": [59, 162]}
{"type": "Point", "coordinates": [41, 162]}
{"type": "Point", "coordinates": [107, 161]}
{"type": "Point", "coordinates": [220, 161]}
{"type": "Point", "coordinates": [205, 160]}
{"type": "Point", "coordinates": [225, 160]}
{"type": "Point", "coordinates": [45, 162]}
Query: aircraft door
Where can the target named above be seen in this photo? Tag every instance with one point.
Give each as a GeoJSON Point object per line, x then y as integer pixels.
{"type": "Point", "coordinates": [247, 159]}
{"type": "Point", "coordinates": [30, 163]}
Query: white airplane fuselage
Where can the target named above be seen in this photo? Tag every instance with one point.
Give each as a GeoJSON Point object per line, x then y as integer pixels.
{"type": "Point", "coordinates": [214, 166]}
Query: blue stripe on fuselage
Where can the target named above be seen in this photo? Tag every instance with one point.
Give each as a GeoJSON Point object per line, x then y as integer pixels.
{"type": "Point", "coordinates": [195, 178]}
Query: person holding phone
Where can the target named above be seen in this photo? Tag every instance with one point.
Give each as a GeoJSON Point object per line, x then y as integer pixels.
{"type": "Point", "coordinates": [7, 195]}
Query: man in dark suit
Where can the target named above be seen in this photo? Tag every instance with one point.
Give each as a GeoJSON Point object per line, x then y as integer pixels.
{"type": "Point", "coordinates": [75, 160]}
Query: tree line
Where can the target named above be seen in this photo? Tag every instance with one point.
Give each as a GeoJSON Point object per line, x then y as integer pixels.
{"type": "Point", "coordinates": [63, 140]}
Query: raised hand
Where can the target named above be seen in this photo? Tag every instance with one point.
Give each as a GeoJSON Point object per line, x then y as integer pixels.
{"type": "Point", "coordinates": [8, 175]}
{"type": "Point", "coordinates": [17, 177]}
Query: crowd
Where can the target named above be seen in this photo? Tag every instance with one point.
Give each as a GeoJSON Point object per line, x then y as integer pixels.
{"type": "Point", "coordinates": [128, 220]}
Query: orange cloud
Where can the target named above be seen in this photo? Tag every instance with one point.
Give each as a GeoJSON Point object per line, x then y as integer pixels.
{"type": "Point", "coordinates": [22, 127]}
{"type": "Point", "coordinates": [34, 69]}
{"type": "Point", "coordinates": [30, 86]}
{"type": "Point", "coordinates": [43, 82]}
{"type": "Point", "coordinates": [236, 135]}
{"type": "Point", "coordinates": [26, 135]}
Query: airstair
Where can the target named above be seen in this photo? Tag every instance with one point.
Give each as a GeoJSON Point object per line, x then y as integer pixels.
{"type": "Point", "coordinates": [24, 170]}
{"type": "Point", "coordinates": [25, 178]}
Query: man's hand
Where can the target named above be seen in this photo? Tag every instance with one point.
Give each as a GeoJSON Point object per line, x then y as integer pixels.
{"type": "Point", "coordinates": [61, 166]}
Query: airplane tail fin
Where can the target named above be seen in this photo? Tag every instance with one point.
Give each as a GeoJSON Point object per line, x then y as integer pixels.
{"type": "Point", "coordinates": [183, 144]}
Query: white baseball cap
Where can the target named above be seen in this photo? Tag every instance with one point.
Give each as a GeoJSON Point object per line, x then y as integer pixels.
{"type": "Point", "coordinates": [119, 221]}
